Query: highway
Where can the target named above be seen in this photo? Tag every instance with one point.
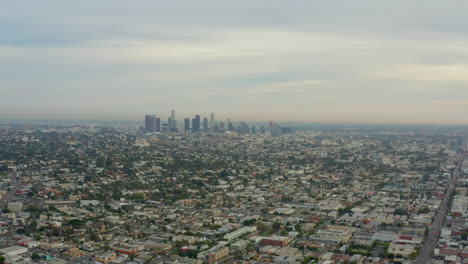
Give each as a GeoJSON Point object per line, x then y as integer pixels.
{"type": "Point", "coordinates": [427, 249]}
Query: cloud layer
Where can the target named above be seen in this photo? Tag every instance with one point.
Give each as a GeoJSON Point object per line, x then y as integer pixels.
{"type": "Point", "coordinates": [352, 61]}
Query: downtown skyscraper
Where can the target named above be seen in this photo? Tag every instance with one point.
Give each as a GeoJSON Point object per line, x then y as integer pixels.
{"type": "Point", "coordinates": [150, 123]}
{"type": "Point", "coordinates": [172, 122]}
{"type": "Point", "coordinates": [186, 124]}
{"type": "Point", "coordinates": [205, 125]}
{"type": "Point", "coordinates": [196, 123]}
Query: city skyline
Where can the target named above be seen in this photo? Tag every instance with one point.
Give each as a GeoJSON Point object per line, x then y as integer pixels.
{"type": "Point", "coordinates": [353, 62]}
{"type": "Point", "coordinates": [153, 123]}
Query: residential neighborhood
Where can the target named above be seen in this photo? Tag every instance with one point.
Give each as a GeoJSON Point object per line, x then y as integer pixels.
{"type": "Point", "coordinates": [86, 194]}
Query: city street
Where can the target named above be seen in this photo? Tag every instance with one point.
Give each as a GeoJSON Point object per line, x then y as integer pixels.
{"type": "Point", "coordinates": [426, 252]}
{"type": "Point", "coordinates": [12, 193]}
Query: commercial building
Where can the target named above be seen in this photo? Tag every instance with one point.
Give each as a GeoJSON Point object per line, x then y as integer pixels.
{"type": "Point", "coordinates": [13, 251]}
{"type": "Point", "coordinates": [240, 232]}
{"type": "Point", "coordinates": [196, 123]}
{"type": "Point", "coordinates": [150, 123]}
{"type": "Point", "coordinates": [214, 254]}
{"type": "Point", "coordinates": [106, 257]}
{"type": "Point", "coordinates": [276, 241]}
{"type": "Point", "coordinates": [157, 124]}
{"type": "Point", "coordinates": [205, 125]}
{"type": "Point", "coordinates": [15, 206]}
{"type": "Point", "coordinates": [186, 124]}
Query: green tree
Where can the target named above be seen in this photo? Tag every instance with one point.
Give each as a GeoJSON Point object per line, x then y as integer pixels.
{"type": "Point", "coordinates": [298, 228]}
{"type": "Point", "coordinates": [35, 256]}
{"type": "Point", "coordinates": [464, 236]}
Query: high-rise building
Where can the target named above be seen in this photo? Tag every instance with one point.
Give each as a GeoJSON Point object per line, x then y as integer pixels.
{"type": "Point", "coordinates": [212, 121]}
{"type": "Point", "coordinates": [230, 125]}
{"type": "Point", "coordinates": [205, 125]}
{"type": "Point", "coordinates": [147, 123]}
{"type": "Point", "coordinates": [196, 124]}
{"type": "Point", "coordinates": [271, 126]}
{"type": "Point", "coordinates": [165, 128]}
{"type": "Point", "coordinates": [186, 124]}
{"type": "Point", "coordinates": [169, 122]}
{"type": "Point", "coordinates": [244, 128]}
{"type": "Point", "coordinates": [172, 122]}
{"type": "Point", "coordinates": [157, 124]}
{"type": "Point", "coordinates": [150, 123]}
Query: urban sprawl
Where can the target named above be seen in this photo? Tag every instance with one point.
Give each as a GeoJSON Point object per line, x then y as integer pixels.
{"type": "Point", "coordinates": [204, 191]}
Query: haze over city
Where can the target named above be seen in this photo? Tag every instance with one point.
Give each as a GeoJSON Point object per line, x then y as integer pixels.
{"type": "Point", "coordinates": [313, 61]}
{"type": "Point", "coordinates": [234, 132]}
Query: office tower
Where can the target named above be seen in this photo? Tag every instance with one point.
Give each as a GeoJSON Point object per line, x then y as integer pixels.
{"type": "Point", "coordinates": [205, 125]}
{"type": "Point", "coordinates": [221, 127]}
{"type": "Point", "coordinates": [150, 123]}
{"type": "Point", "coordinates": [157, 124]}
{"type": "Point", "coordinates": [262, 129]}
{"type": "Point", "coordinates": [186, 124]}
{"type": "Point", "coordinates": [230, 125]}
{"type": "Point", "coordinates": [197, 117]}
{"type": "Point", "coordinates": [196, 123]}
{"type": "Point", "coordinates": [212, 121]}
{"type": "Point", "coordinates": [147, 123]}
{"type": "Point", "coordinates": [169, 123]}
{"type": "Point", "coordinates": [271, 127]}
{"type": "Point", "coordinates": [172, 122]}
{"type": "Point", "coordinates": [276, 130]}
{"type": "Point", "coordinates": [244, 128]}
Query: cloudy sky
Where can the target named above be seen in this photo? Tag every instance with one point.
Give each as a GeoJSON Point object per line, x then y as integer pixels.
{"type": "Point", "coordinates": [370, 61]}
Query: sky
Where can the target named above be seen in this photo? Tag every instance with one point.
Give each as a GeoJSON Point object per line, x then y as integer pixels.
{"type": "Point", "coordinates": [357, 61]}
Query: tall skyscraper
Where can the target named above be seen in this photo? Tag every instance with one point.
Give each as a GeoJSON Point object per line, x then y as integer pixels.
{"type": "Point", "coordinates": [172, 122]}
{"type": "Point", "coordinates": [212, 121]}
{"type": "Point", "coordinates": [244, 128]}
{"type": "Point", "coordinates": [196, 123]}
{"type": "Point", "coordinates": [158, 124]}
{"type": "Point", "coordinates": [169, 122]}
{"type": "Point", "coordinates": [150, 123]}
{"type": "Point", "coordinates": [205, 125]}
{"type": "Point", "coordinates": [271, 126]}
{"type": "Point", "coordinates": [230, 125]}
{"type": "Point", "coordinates": [147, 123]}
{"type": "Point", "coordinates": [254, 130]}
{"type": "Point", "coordinates": [186, 124]}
